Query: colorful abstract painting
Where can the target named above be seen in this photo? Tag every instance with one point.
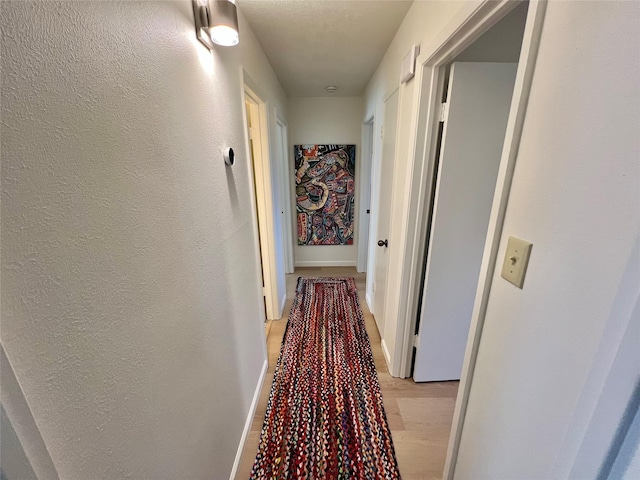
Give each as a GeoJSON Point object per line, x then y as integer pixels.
{"type": "Point", "coordinates": [325, 185]}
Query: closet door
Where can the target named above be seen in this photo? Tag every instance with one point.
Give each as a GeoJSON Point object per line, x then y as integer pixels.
{"type": "Point", "coordinates": [382, 210]}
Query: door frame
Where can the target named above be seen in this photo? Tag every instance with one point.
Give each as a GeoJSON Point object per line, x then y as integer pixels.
{"type": "Point", "coordinates": [364, 197]}
{"type": "Point", "coordinates": [448, 180]}
{"type": "Point", "coordinates": [473, 19]}
{"type": "Point", "coordinates": [262, 197]}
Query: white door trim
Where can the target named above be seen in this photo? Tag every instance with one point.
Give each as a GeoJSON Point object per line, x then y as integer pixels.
{"type": "Point", "coordinates": [263, 198]}
{"type": "Point", "coordinates": [524, 77]}
{"type": "Point", "coordinates": [472, 20]}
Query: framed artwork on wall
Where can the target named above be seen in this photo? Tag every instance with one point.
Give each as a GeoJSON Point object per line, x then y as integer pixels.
{"type": "Point", "coordinates": [325, 193]}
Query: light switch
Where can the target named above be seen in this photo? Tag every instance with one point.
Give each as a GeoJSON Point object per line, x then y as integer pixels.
{"type": "Point", "coordinates": [516, 259]}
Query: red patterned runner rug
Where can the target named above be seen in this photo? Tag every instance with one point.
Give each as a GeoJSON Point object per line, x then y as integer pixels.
{"type": "Point", "coordinates": [325, 418]}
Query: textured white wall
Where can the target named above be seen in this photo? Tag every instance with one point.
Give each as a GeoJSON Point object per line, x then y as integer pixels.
{"type": "Point", "coordinates": [131, 304]}
{"type": "Point", "coordinates": [422, 23]}
{"type": "Point", "coordinates": [324, 120]}
{"type": "Point", "coordinates": [575, 195]}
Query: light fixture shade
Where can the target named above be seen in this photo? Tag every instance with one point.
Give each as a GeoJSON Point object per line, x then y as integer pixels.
{"type": "Point", "coordinates": [223, 23]}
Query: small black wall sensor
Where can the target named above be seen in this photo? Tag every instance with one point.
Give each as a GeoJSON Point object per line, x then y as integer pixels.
{"type": "Point", "coordinates": [229, 156]}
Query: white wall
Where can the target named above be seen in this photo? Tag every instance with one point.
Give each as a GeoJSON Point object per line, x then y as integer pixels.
{"type": "Point", "coordinates": [502, 42]}
{"type": "Point", "coordinates": [325, 120]}
{"type": "Point", "coordinates": [611, 426]}
{"type": "Point", "coordinates": [131, 304]}
{"type": "Point", "coordinates": [421, 25]}
{"type": "Point", "coordinates": [575, 196]}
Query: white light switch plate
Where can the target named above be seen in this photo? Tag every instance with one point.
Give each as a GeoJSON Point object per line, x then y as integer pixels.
{"type": "Point", "coordinates": [516, 259]}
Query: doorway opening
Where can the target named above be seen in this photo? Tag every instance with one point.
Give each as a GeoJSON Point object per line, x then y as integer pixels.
{"type": "Point", "coordinates": [364, 215]}
{"type": "Point", "coordinates": [252, 111]}
{"type": "Point", "coordinates": [463, 36]}
{"type": "Point", "coordinates": [473, 124]}
{"type": "Point", "coordinates": [268, 205]}
{"type": "Point", "coordinates": [286, 198]}
{"type": "Point", "coordinates": [476, 89]}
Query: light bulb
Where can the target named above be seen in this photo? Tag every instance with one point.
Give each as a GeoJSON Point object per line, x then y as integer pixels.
{"type": "Point", "coordinates": [224, 35]}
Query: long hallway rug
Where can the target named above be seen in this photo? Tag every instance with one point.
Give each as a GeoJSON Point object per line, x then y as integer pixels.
{"type": "Point", "coordinates": [325, 418]}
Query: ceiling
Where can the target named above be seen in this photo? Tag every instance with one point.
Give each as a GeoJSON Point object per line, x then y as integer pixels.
{"type": "Point", "coordinates": [314, 44]}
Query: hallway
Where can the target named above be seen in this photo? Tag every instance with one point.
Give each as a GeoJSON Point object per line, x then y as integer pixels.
{"type": "Point", "coordinates": [132, 340]}
{"type": "Point", "coordinates": [419, 414]}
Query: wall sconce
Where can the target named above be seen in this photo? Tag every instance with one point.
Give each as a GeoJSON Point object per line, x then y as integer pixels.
{"type": "Point", "coordinates": [216, 22]}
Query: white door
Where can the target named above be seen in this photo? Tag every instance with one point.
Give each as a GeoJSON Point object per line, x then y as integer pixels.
{"type": "Point", "coordinates": [385, 180]}
{"type": "Point", "coordinates": [366, 160]}
{"type": "Point", "coordinates": [477, 110]}
{"type": "Point", "coordinates": [286, 201]}
{"type": "Point", "coordinates": [279, 219]}
{"type": "Point", "coordinates": [266, 183]}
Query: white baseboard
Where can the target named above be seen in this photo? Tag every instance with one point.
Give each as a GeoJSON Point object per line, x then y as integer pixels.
{"type": "Point", "coordinates": [325, 263]}
{"type": "Point", "coordinates": [385, 351]}
{"type": "Point", "coordinates": [249, 421]}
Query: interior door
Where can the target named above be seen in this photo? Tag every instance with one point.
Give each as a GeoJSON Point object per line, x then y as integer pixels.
{"type": "Point", "coordinates": [280, 236]}
{"type": "Point", "coordinates": [285, 195]}
{"type": "Point", "coordinates": [479, 99]}
{"type": "Point", "coordinates": [365, 196]}
{"type": "Point", "coordinates": [385, 180]}
{"type": "Point", "coordinates": [267, 184]}
{"type": "Point", "coordinates": [252, 113]}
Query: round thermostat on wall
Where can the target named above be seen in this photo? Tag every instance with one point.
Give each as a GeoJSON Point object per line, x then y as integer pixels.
{"type": "Point", "coordinates": [229, 156]}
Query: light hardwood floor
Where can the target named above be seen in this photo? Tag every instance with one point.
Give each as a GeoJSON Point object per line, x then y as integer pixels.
{"type": "Point", "coordinates": [419, 414]}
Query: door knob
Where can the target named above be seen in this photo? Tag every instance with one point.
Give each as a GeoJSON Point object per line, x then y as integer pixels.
{"type": "Point", "coordinates": [383, 243]}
